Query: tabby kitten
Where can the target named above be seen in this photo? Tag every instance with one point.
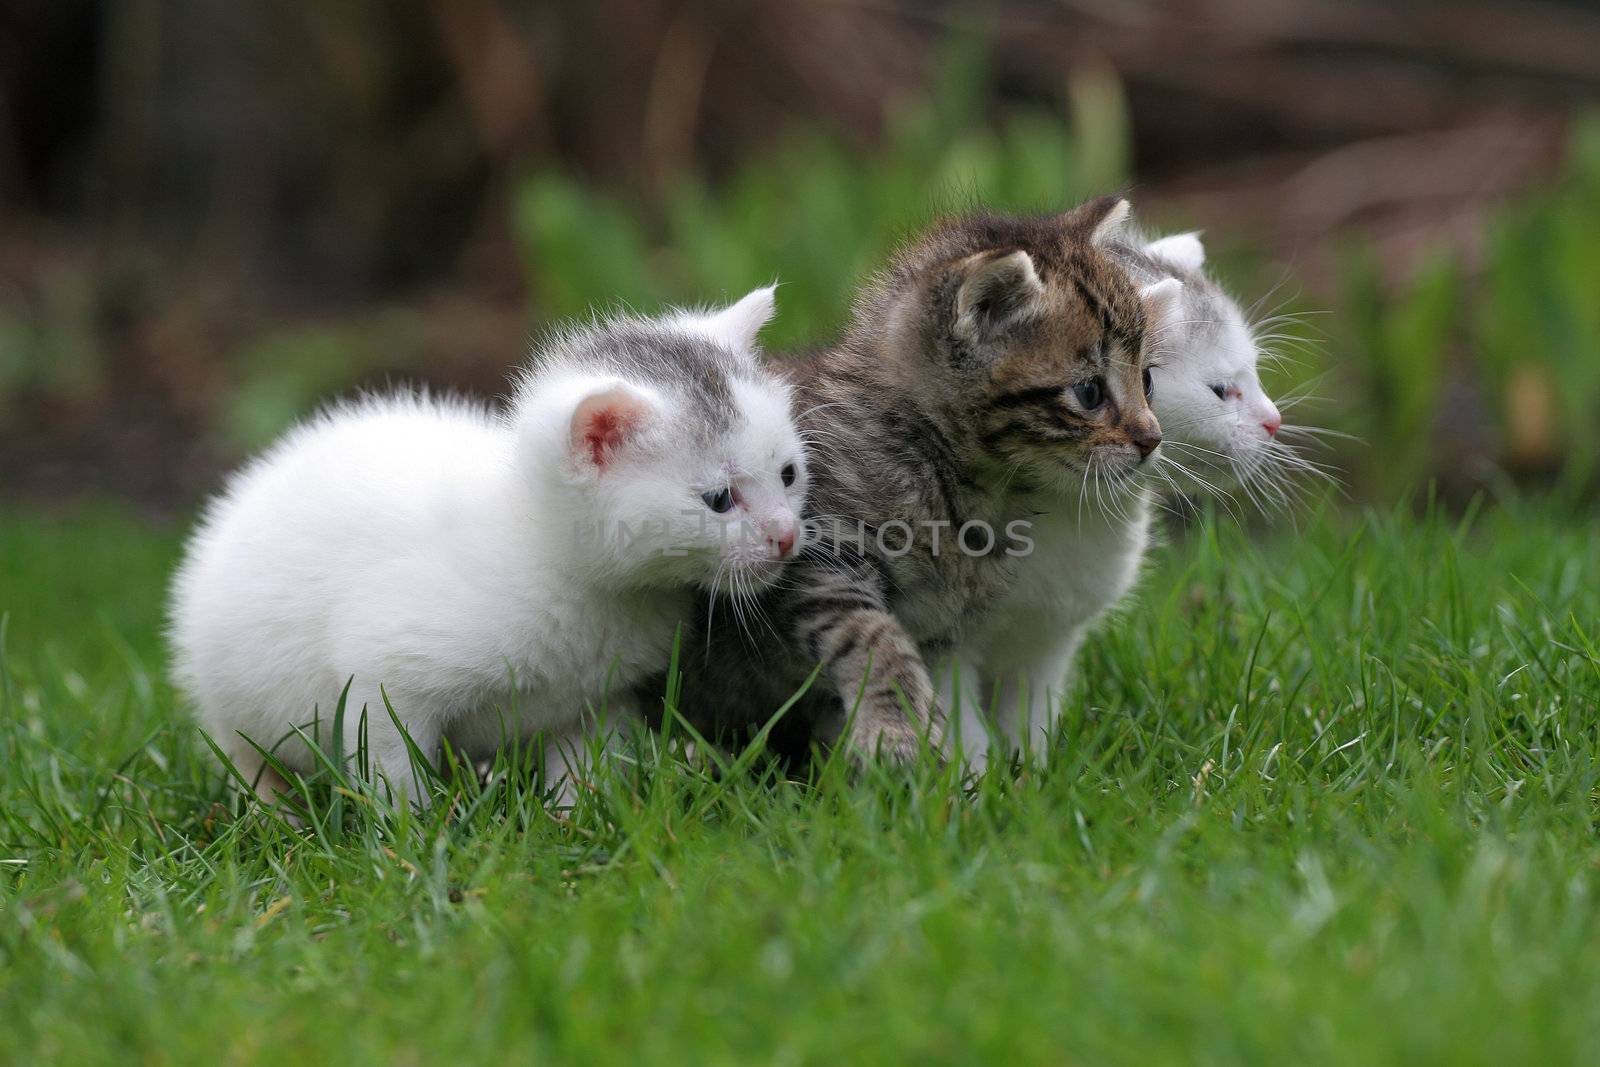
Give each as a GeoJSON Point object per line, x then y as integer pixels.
{"type": "Point", "coordinates": [1220, 429]}
{"type": "Point", "coordinates": [996, 367]}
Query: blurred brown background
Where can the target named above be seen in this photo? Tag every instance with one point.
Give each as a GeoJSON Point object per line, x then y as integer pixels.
{"type": "Point", "coordinates": [182, 181]}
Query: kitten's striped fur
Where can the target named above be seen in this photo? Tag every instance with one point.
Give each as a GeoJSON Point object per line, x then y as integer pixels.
{"type": "Point", "coordinates": [949, 400]}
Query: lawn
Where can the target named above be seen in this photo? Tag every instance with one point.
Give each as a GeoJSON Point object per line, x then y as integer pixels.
{"type": "Point", "coordinates": [1327, 794]}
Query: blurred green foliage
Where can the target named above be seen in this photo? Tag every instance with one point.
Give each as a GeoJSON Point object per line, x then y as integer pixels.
{"type": "Point", "coordinates": [1540, 303]}
{"type": "Point", "coordinates": [52, 348]}
{"type": "Point", "coordinates": [1476, 372]}
{"type": "Point", "coordinates": [1402, 344]}
{"type": "Point", "coordinates": [286, 373]}
{"type": "Point", "coordinates": [1521, 335]}
{"type": "Point", "coordinates": [816, 212]}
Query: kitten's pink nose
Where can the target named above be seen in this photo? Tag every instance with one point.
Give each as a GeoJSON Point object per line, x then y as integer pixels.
{"type": "Point", "coordinates": [1271, 424]}
{"type": "Point", "coordinates": [782, 539]}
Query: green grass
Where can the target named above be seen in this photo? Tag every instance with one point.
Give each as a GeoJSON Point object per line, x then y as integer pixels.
{"type": "Point", "coordinates": [1327, 797]}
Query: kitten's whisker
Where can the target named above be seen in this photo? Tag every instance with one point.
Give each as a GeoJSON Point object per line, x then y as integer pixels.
{"type": "Point", "coordinates": [1200, 421]}
{"type": "Point", "coordinates": [1271, 494]}
{"type": "Point", "coordinates": [1316, 431]}
{"type": "Point", "coordinates": [711, 602]}
{"type": "Point", "coordinates": [1083, 492]}
{"type": "Point", "coordinates": [1302, 465]}
{"type": "Point", "coordinates": [1292, 402]}
{"type": "Point", "coordinates": [1264, 297]}
{"type": "Point", "coordinates": [741, 606]}
{"type": "Point", "coordinates": [1196, 448]}
{"type": "Point", "coordinates": [1246, 482]}
{"type": "Point", "coordinates": [1172, 485]}
{"type": "Point", "coordinates": [1223, 496]}
{"type": "Point", "coordinates": [760, 613]}
{"type": "Point", "coordinates": [822, 406]}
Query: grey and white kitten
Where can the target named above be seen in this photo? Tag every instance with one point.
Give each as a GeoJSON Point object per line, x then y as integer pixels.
{"type": "Point", "coordinates": [1223, 431]}
{"type": "Point", "coordinates": [488, 576]}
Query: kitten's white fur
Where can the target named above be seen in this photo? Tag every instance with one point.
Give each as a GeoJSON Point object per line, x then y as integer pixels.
{"type": "Point", "coordinates": [1212, 440]}
{"type": "Point", "coordinates": [1008, 677]}
{"type": "Point", "coordinates": [472, 565]}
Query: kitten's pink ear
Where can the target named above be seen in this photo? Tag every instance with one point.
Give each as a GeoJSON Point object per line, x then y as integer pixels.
{"type": "Point", "coordinates": [738, 324]}
{"type": "Point", "coordinates": [1097, 221]}
{"type": "Point", "coordinates": [1181, 250]}
{"type": "Point", "coordinates": [606, 421]}
{"type": "Point", "coordinates": [996, 291]}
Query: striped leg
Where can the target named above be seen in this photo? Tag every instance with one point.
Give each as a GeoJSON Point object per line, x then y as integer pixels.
{"type": "Point", "coordinates": [873, 665]}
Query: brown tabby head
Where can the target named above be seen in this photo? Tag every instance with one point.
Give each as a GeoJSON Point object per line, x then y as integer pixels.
{"type": "Point", "coordinates": [1024, 332]}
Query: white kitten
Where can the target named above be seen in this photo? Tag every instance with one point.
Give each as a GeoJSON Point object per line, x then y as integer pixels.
{"type": "Point", "coordinates": [1219, 424]}
{"type": "Point", "coordinates": [497, 576]}
{"type": "Point", "coordinates": [1218, 428]}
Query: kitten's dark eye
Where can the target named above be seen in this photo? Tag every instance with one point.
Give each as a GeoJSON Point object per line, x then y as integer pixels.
{"type": "Point", "coordinates": [1091, 394]}
{"type": "Point", "coordinates": [718, 500]}
{"type": "Point", "coordinates": [1221, 391]}
{"type": "Point", "coordinates": [788, 475]}
{"type": "Point", "coordinates": [1149, 385]}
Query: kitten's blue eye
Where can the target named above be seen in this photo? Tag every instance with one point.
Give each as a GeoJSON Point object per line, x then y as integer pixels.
{"type": "Point", "coordinates": [1221, 391]}
{"type": "Point", "coordinates": [1091, 394]}
{"type": "Point", "coordinates": [788, 475]}
{"type": "Point", "coordinates": [718, 500]}
{"type": "Point", "coordinates": [1149, 386]}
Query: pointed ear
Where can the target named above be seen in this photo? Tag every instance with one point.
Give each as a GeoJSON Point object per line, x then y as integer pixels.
{"type": "Point", "coordinates": [996, 291]}
{"type": "Point", "coordinates": [738, 324]}
{"type": "Point", "coordinates": [1181, 250]}
{"type": "Point", "coordinates": [606, 421]}
{"type": "Point", "coordinates": [1097, 221]}
{"type": "Point", "coordinates": [1161, 302]}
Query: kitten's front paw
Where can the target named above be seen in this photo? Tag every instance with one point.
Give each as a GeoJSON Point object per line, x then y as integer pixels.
{"type": "Point", "coordinates": [886, 740]}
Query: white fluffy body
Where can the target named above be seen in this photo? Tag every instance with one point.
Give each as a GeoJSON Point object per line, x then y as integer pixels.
{"type": "Point", "coordinates": [496, 576]}
{"type": "Point", "coordinates": [1005, 682]}
{"type": "Point", "coordinates": [1008, 678]}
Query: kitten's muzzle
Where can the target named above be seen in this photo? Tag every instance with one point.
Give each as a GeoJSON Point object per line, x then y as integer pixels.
{"type": "Point", "coordinates": [1146, 440]}
{"type": "Point", "coordinates": [782, 534]}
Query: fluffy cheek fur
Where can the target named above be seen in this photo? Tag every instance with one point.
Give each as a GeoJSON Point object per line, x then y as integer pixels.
{"type": "Point", "coordinates": [644, 521]}
{"type": "Point", "coordinates": [1217, 437]}
{"type": "Point", "coordinates": [764, 447]}
{"type": "Point", "coordinates": [1034, 422]}
{"type": "Point", "coordinates": [636, 503]}
{"type": "Point", "coordinates": [657, 525]}
{"type": "Point", "coordinates": [1053, 444]}
{"type": "Point", "coordinates": [1213, 442]}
